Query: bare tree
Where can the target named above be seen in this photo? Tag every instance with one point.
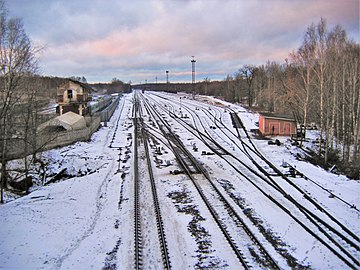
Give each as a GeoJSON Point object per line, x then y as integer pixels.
{"type": "Point", "coordinates": [303, 61]}
{"type": "Point", "coordinates": [351, 103]}
{"type": "Point", "coordinates": [327, 86]}
{"type": "Point", "coordinates": [206, 82]}
{"type": "Point", "coordinates": [248, 72]}
{"type": "Point", "coordinates": [229, 94]}
{"type": "Point", "coordinates": [317, 35]}
{"type": "Point", "coordinates": [17, 61]}
{"type": "Point", "coordinates": [336, 43]}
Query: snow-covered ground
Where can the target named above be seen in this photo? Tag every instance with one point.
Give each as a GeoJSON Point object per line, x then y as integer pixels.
{"type": "Point", "coordinates": [86, 221]}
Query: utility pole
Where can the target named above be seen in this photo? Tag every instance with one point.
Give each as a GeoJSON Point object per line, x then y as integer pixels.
{"type": "Point", "coordinates": [193, 61]}
{"type": "Point", "coordinates": [167, 81]}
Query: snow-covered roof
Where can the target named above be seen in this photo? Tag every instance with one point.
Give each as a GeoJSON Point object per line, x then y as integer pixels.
{"type": "Point", "coordinates": [69, 121]}
{"type": "Point", "coordinates": [278, 116]}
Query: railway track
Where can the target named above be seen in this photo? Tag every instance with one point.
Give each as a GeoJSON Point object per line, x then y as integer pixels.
{"type": "Point", "coordinates": [249, 146]}
{"type": "Point", "coordinates": [121, 105]}
{"type": "Point", "coordinates": [344, 240]}
{"type": "Point", "coordinates": [344, 237]}
{"type": "Point", "coordinates": [141, 137]}
{"type": "Point", "coordinates": [233, 227]}
{"type": "Point", "coordinates": [331, 194]}
{"type": "Point", "coordinates": [138, 248]}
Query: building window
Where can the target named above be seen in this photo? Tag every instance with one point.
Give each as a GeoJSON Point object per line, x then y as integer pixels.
{"type": "Point", "coordinates": [69, 94]}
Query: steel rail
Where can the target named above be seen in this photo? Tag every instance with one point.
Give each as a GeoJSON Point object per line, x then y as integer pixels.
{"type": "Point", "coordinates": [306, 212]}
{"type": "Point", "coordinates": [311, 216]}
{"type": "Point", "coordinates": [175, 141]}
{"type": "Point", "coordinates": [159, 221]}
{"type": "Point", "coordinates": [137, 223]}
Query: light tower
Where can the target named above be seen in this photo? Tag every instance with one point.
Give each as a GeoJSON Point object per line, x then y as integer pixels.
{"type": "Point", "coordinates": [167, 81]}
{"type": "Point", "coordinates": [193, 61]}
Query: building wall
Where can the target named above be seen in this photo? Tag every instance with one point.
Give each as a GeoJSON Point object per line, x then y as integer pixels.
{"type": "Point", "coordinates": [72, 97]}
{"type": "Point", "coordinates": [79, 94]}
{"type": "Point", "coordinates": [58, 139]}
{"type": "Point", "coordinates": [273, 126]}
{"type": "Point", "coordinates": [46, 140]}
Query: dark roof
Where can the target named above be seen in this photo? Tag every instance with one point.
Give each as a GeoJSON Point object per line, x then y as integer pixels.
{"type": "Point", "coordinates": [278, 116]}
{"type": "Point", "coordinates": [84, 85]}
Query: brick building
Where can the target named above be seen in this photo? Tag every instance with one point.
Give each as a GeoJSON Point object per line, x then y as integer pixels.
{"type": "Point", "coordinates": [274, 124]}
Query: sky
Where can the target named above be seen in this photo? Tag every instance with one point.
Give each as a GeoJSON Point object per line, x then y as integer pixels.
{"type": "Point", "coordinates": [138, 40]}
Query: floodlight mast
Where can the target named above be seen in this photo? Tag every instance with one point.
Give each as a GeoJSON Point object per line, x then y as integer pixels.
{"type": "Point", "coordinates": [167, 81]}
{"type": "Point", "coordinates": [193, 61]}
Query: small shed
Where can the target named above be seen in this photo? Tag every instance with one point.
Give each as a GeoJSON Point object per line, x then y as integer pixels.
{"type": "Point", "coordinates": [73, 96]}
{"type": "Point", "coordinates": [275, 124]}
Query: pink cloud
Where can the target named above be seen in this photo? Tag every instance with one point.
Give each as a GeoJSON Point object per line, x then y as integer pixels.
{"type": "Point", "coordinates": [223, 34]}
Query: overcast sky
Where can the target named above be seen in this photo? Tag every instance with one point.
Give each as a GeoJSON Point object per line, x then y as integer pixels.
{"type": "Point", "coordinates": [139, 40]}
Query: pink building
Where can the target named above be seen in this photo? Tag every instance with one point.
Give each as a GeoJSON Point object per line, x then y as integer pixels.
{"type": "Point", "coordinates": [274, 124]}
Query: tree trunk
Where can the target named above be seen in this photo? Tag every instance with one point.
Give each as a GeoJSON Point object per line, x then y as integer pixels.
{"type": "Point", "coordinates": [321, 91]}
{"type": "Point", "coordinates": [356, 155]}
{"type": "Point", "coordinates": [333, 113]}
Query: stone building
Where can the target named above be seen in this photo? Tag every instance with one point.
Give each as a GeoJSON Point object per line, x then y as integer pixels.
{"type": "Point", "coordinates": [73, 96]}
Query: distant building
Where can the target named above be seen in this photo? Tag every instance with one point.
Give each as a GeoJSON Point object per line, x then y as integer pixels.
{"type": "Point", "coordinates": [73, 96]}
{"type": "Point", "coordinates": [274, 124]}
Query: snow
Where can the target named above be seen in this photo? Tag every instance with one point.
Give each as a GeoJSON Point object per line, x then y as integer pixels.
{"type": "Point", "coordinates": [86, 221]}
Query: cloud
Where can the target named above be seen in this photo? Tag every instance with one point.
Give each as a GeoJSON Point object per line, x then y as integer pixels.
{"type": "Point", "coordinates": [134, 38]}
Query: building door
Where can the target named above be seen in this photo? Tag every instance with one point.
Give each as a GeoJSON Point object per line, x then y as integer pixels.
{"type": "Point", "coordinates": [274, 128]}
{"type": "Point", "coordinates": [287, 129]}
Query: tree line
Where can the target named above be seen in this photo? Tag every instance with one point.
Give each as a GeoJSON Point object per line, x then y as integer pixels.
{"type": "Point", "coordinates": [319, 84]}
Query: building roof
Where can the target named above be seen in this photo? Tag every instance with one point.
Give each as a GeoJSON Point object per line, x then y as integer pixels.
{"type": "Point", "coordinates": [83, 85]}
{"type": "Point", "coordinates": [69, 121]}
{"type": "Point", "coordinates": [278, 116]}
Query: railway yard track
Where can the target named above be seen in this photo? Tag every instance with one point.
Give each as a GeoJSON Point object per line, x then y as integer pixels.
{"type": "Point", "coordinates": [173, 182]}
{"type": "Point", "coordinates": [141, 139]}
{"type": "Point", "coordinates": [232, 219]}
{"type": "Point", "coordinates": [158, 125]}
{"type": "Point", "coordinates": [297, 204]}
